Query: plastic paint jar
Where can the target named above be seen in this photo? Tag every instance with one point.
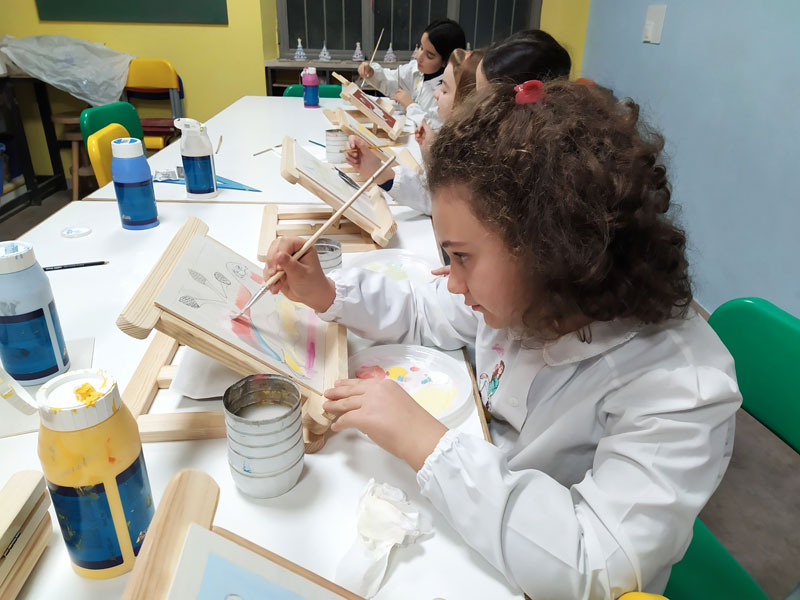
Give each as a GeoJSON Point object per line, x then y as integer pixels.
{"type": "Point", "coordinates": [198, 160]}
{"type": "Point", "coordinates": [310, 87]}
{"type": "Point", "coordinates": [133, 184]}
{"type": "Point", "coordinates": [32, 347]}
{"type": "Point", "coordinates": [92, 459]}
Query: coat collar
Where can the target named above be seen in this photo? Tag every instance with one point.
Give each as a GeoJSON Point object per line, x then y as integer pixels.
{"type": "Point", "coordinates": [605, 335]}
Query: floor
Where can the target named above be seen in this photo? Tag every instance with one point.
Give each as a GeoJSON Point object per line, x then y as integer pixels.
{"type": "Point", "coordinates": [755, 512]}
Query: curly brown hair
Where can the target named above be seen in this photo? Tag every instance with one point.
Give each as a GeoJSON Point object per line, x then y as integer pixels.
{"type": "Point", "coordinates": [573, 186]}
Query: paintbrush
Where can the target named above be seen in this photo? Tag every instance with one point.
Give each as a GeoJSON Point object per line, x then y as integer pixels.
{"type": "Point", "coordinates": [313, 239]}
{"type": "Point", "coordinates": [267, 149]}
{"type": "Point", "coordinates": [371, 58]}
{"type": "Point", "coordinates": [373, 147]}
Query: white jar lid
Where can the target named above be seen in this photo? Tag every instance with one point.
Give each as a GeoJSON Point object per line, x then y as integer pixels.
{"type": "Point", "coordinates": [15, 256]}
{"type": "Point", "coordinates": [67, 403]}
{"type": "Point", "coordinates": [127, 148]}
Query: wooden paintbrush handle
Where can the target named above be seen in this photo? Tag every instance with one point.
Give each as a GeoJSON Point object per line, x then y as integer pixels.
{"type": "Point", "coordinates": [326, 225]}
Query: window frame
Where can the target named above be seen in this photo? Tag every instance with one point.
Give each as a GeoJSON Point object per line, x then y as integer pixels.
{"type": "Point", "coordinates": [286, 49]}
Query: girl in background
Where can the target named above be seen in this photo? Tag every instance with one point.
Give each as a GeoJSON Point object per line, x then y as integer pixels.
{"type": "Point", "coordinates": [414, 83]}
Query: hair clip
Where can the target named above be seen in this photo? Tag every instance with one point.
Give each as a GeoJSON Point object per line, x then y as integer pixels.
{"type": "Point", "coordinates": [530, 92]}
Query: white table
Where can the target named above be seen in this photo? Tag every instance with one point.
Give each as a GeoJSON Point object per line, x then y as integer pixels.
{"type": "Point", "coordinates": [314, 523]}
{"type": "Point", "coordinates": [247, 126]}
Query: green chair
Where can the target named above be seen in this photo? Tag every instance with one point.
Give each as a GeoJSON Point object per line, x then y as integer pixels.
{"type": "Point", "coordinates": [124, 113]}
{"type": "Point", "coordinates": [326, 90]}
{"type": "Point", "coordinates": [765, 344]}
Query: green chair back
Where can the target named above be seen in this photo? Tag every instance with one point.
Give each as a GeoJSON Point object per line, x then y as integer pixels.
{"type": "Point", "coordinates": [94, 119]}
{"type": "Point", "coordinates": [765, 343]}
{"type": "Point", "coordinates": [326, 90]}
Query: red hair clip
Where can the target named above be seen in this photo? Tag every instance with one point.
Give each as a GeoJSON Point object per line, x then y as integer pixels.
{"type": "Point", "coordinates": [530, 92]}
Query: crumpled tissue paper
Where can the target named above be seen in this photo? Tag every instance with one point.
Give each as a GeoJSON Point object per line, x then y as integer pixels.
{"type": "Point", "coordinates": [385, 519]}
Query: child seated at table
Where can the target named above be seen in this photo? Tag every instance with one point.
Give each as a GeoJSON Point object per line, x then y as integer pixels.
{"type": "Point", "coordinates": [414, 83]}
{"type": "Point", "coordinates": [404, 184]}
{"type": "Point", "coordinates": [613, 413]}
{"type": "Point", "coordinates": [530, 54]}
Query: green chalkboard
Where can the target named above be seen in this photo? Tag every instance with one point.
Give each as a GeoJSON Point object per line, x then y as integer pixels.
{"type": "Point", "coordinates": [138, 11]}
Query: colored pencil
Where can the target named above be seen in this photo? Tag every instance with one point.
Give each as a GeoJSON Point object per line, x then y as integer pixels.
{"type": "Point", "coordinates": [76, 265]}
{"type": "Point", "coordinates": [317, 143]}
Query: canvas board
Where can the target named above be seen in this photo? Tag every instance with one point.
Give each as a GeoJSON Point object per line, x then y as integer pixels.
{"type": "Point", "coordinates": [212, 567]}
{"type": "Point", "coordinates": [211, 282]}
{"type": "Point", "coordinates": [329, 179]}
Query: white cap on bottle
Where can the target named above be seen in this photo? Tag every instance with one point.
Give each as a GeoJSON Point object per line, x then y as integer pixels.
{"type": "Point", "coordinates": [78, 399]}
{"type": "Point", "coordinates": [15, 256]}
{"type": "Point", "coordinates": [127, 148]}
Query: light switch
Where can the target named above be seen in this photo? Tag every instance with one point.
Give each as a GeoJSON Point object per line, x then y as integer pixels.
{"type": "Point", "coordinates": [654, 23]}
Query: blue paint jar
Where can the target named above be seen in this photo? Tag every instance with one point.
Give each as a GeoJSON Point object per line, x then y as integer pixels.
{"type": "Point", "coordinates": [133, 184]}
{"type": "Point", "coordinates": [32, 347]}
{"type": "Point", "coordinates": [310, 87]}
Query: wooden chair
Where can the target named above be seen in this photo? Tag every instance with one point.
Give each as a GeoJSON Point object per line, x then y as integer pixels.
{"type": "Point", "coordinates": [99, 146]}
{"type": "Point", "coordinates": [765, 343]}
{"type": "Point", "coordinates": [80, 160]}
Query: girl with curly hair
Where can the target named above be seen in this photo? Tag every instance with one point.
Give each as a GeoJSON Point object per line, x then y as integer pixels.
{"type": "Point", "coordinates": [613, 420]}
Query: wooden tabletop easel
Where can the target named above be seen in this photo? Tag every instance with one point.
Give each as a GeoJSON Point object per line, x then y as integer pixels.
{"type": "Point", "coordinates": [141, 315]}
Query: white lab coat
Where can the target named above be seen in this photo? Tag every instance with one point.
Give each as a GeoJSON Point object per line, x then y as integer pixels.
{"type": "Point", "coordinates": [410, 188]}
{"type": "Point", "coordinates": [605, 452]}
{"type": "Point", "coordinates": [409, 78]}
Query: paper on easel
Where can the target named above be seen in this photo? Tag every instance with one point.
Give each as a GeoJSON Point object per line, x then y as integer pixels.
{"type": "Point", "coordinates": [200, 377]}
{"type": "Point", "coordinates": [385, 519]}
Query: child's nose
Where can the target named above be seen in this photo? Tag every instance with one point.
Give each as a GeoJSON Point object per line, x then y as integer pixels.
{"type": "Point", "coordinates": [455, 284]}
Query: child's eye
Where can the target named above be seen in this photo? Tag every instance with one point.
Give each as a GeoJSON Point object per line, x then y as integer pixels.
{"type": "Point", "coordinates": [460, 257]}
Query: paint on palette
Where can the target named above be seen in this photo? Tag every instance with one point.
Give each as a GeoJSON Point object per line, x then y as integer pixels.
{"type": "Point", "coordinates": [434, 390]}
{"type": "Point", "coordinates": [224, 580]}
{"type": "Point", "coordinates": [211, 282]}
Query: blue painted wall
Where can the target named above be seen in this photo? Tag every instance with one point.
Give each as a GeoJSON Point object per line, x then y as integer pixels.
{"type": "Point", "coordinates": [724, 88]}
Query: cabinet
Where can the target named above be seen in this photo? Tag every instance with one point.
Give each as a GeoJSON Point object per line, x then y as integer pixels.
{"type": "Point", "coordinates": [281, 73]}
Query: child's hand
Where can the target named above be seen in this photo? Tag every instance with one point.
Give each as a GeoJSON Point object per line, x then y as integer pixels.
{"type": "Point", "coordinates": [365, 71]}
{"type": "Point", "coordinates": [424, 135]}
{"type": "Point", "coordinates": [304, 280]}
{"type": "Point", "coordinates": [445, 270]}
{"type": "Point", "coordinates": [403, 97]}
{"type": "Point", "coordinates": [363, 159]}
{"type": "Point", "coordinates": [388, 415]}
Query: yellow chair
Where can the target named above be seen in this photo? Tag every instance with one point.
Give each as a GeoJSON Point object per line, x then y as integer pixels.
{"type": "Point", "coordinates": [154, 76]}
{"type": "Point", "coordinates": [99, 145]}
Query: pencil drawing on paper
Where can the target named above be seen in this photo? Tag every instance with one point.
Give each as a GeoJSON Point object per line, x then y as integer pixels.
{"type": "Point", "coordinates": [211, 283]}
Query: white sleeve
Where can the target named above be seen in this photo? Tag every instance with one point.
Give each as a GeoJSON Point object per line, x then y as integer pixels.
{"type": "Point", "coordinates": [378, 308]}
{"type": "Point", "coordinates": [666, 441]}
{"type": "Point", "coordinates": [410, 189]}
{"type": "Point", "coordinates": [416, 114]}
{"type": "Point", "coordinates": [386, 81]}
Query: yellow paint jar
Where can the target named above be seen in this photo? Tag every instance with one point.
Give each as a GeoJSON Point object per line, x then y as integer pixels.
{"type": "Point", "coordinates": [92, 459]}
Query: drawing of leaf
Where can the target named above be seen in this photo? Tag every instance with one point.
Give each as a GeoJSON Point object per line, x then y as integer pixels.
{"type": "Point", "coordinates": [189, 301]}
{"type": "Point", "coordinates": [221, 278]}
{"type": "Point", "coordinates": [199, 278]}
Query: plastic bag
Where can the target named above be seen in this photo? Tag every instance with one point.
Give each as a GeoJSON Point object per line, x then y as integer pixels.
{"type": "Point", "coordinates": [87, 70]}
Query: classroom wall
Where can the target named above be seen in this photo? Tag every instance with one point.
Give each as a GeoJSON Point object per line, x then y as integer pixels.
{"type": "Point", "coordinates": [269, 28]}
{"type": "Point", "coordinates": [218, 63]}
{"type": "Point", "coordinates": [724, 88]}
{"type": "Point", "coordinates": [566, 21]}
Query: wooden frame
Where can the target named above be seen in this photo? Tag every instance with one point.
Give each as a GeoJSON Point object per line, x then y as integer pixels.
{"type": "Point", "coordinates": [381, 226]}
{"type": "Point", "coordinates": [192, 497]}
{"type": "Point", "coordinates": [369, 106]}
{"type": "Point", "coordinates": [141, 315]}
{"type": "Point", "coordinates": [25, 529]}
{"type": "Point", "coordinates": [304, 221]}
